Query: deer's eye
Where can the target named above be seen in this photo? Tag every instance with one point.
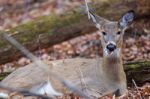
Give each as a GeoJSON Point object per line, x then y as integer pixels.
{"type": "Point", "coordinates": [119, 32]}
{"type": "Point", "coordinates": [104, 33]}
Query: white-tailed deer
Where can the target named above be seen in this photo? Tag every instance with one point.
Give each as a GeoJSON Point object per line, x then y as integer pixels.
{"type": "Point", "coordinates": [107, 77]}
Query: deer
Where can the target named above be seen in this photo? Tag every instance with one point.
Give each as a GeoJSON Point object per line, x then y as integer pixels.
{"type": "Point", "coordinates": [95, 80]}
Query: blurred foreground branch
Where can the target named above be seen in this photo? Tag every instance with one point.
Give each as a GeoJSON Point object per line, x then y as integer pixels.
{"type": "Point", "coordinates": [44, 66]}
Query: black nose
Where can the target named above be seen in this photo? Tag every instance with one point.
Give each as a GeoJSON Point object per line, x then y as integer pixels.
{"type": "Point", "coordinates": [111, 47]}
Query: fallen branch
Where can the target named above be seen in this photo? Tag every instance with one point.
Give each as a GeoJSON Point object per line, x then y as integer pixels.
{"type": "Point", "coordinates": [137, 88]}
{"type": "Point", "coordinates": [139, 71]}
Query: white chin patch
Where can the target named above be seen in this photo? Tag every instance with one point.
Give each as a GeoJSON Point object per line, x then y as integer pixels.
{"type": "Point", "coordinates": [107, 52]}
{"type": "Point", "coordinates": [111, 53]}
{"type": "Point", "coordinates": [47, 89]}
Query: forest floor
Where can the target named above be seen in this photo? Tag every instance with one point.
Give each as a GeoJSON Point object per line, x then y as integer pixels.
{"type": "Point", "coordinates": [15, 12]}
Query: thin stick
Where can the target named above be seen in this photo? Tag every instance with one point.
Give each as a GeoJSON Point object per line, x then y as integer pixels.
{"type": "Point", "coordinates": [90, 15]}
{"type": "Point", "coordinates": [137, 88]}
{"type": "Point", "coordinates": [82, 80]}
{"type": "Point", "coordinates": [44, 66]}
{"type": "Point", "coordinates": [87, 9]}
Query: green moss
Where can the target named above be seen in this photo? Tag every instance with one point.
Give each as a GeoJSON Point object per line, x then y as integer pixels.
{"type": "Point", "coordinates": [134, 66]}
{"type": "Point", "coordinates": [45, 24]}
{"type": "Point", "coordinates": [2, 43]}
{"type": "Point", "coordinates": [3, 75]}
{"type": "Point", "coordinates": [137, 65]}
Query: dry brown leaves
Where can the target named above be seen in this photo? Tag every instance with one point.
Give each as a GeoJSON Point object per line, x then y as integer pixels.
{"type": "Point", "coordinates": [143, 92]}
{"type": "Point", "coordinates": [15, 12]}
{"type": "Point", "coordinates": [137, 49]}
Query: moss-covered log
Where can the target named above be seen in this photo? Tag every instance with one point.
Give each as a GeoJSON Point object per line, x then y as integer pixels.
{"type": "Point", "coordinates": [48, 30]}
{"type": "Point", "coordinates": [43, 32]}
{"type": "Point", "coordinates": [139, 71]}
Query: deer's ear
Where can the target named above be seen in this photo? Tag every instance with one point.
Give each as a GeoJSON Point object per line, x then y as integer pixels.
{"type": "Point", "coordinates": [126, 19]}
{"type": "Point", "coordinates": [97, 20]}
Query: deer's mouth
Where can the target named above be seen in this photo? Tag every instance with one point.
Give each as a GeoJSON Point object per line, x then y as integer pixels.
{"type": "Point", "coordinates": [112, 54]}
{"type": "Point", "coordinates": [108, 52]}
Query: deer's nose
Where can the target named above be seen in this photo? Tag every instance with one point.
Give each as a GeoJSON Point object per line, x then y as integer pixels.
{"type": "Point", "coordinates": [111, 47]}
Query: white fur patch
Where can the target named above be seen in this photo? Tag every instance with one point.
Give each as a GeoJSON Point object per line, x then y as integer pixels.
{"type": "Point", "coordinates": [115, 53]}
{"type": "Point", "coordinates": [46, 89]}
{"type": "Point", "coordinates": [105, 52]}
{"type": "Point", "coordinates": [3, 95]}
{"type": "Point", "coordinates": [111, 42]}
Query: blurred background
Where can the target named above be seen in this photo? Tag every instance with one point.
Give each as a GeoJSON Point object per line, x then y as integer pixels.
{"type": "Point", "coordinates": [60, 29]}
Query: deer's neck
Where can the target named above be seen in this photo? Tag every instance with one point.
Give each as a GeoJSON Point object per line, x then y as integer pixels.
{"type": "Point", "coordinates": [112, 67]}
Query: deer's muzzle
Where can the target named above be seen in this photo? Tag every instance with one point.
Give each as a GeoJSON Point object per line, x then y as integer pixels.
{"type": "Point", "coordinates": [111, 47]}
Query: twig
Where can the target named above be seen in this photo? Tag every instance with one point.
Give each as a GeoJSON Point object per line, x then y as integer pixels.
{"type": "Point", "coordinates": [87, 9]}
{"type": "Point", "coordinates": [137, 88]}
{"type": "Point", "coordinates": [90, 14]}
{"type": "Point", "coordinates": [82, 80]}
{"type": "Point", "coordinates": [44, 66]}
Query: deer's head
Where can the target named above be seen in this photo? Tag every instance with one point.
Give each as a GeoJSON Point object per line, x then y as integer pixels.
{"type": "Point", "coordinates": [112, 32]}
